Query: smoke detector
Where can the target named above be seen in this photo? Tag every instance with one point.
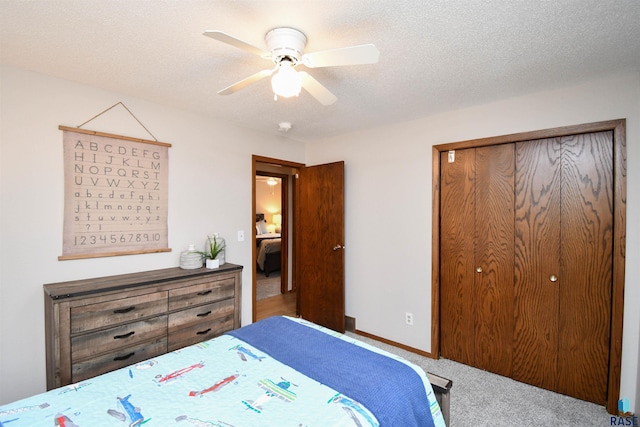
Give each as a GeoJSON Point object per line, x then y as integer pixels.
{"type": "Point", "coordinates": [284, 126]}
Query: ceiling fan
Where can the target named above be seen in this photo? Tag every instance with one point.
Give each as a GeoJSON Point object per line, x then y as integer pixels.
{"type": "Point", "coordinates": [286, 50]}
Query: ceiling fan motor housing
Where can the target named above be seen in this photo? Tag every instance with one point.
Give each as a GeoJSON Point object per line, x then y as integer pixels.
{"type": "Point", "coordinates": [286, 44]}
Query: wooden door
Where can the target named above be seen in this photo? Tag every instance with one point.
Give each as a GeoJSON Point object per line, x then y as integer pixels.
{"type": "Point", "coordinates": [537, 259]}
{"type": "Point", "coordinates": [564, 253]}
{"type": "Point", "coordinates": [457, 262]}
{"type": "Point", "coordinates": [477, 256]}
{"type": "Point", "coordinates": [585, 281]}
{"type": "Point", "coordinates": [526, 265]}
{"type": "Point", "coordinates": [494, 255]}
{"type": "Point", "coordinates": [569, 262]}
{"type": "Point", "coordinates": [320, 244]}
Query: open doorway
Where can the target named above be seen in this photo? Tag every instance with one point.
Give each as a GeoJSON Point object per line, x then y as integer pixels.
{"type": "Point", "coordinates": [271, 240]}
{"type": "Point", "coordinates": [312, 231]}
{"type": "Point", "coordinates": [274, 286]}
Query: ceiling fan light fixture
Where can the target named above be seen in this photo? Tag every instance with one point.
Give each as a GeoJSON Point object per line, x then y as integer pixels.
{"type": "Point", "coordinates": [286, 50]}
{"type": "Point", "coordinates": [287, 82]}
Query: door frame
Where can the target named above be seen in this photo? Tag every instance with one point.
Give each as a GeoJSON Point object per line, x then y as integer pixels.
{"type": "Point", "coordinates": [286, 217]}
{"type": "Point", "coordinates": [619, 233]}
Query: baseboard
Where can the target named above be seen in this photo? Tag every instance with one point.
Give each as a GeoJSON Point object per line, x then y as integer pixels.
{"type": "Point", "coordinates": [393, 343]}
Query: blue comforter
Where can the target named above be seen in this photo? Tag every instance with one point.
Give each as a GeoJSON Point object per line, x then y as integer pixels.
{"type": "Point", "coordinates": [391, 390]}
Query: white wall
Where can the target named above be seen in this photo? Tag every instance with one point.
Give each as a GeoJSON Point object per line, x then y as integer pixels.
{"type": "Point", "coordinates": [209, 190]}
{"type": "Point", "coordinates": [269, 201]}
{"type": "Point", "coordinates": [388, 204]}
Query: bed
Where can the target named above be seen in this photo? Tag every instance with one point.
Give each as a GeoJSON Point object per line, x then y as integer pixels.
{"type": "Point", "coordinates": [268, 258]}
{"type": "Point", "coordinates": [280, 371]}
{"type": "Point", "coordinates": [269, 247]}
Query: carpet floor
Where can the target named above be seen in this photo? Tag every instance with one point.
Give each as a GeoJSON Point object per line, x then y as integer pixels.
{"type": "Point", "coordinates": [267, 287]}
{"type": "Point", "coordinates": [480, 398]}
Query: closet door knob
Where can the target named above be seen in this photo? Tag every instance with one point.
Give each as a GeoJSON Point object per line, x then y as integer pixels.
{"type": "Point", "coordinates": [478, 269]}
{"type": "Point", "coordinates": [336, 247]}
{"type": "Point", "coordinates": [553, 278]}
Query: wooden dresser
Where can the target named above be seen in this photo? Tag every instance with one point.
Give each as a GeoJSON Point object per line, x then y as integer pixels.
{"type": "Point", "coordinates": [97, 325]}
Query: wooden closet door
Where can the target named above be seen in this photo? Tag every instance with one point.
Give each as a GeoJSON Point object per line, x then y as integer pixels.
{"type": "Point", "coordinates": [563, 268]}
{"type": "Point", "coordinates": [537, 260]}
{"type": "Point", "coordinates": [586, 279]}
{"type": "Point", "coordinates": [494, 254]}
{"type": "Point", "coordinates": [568, 257]}
{"type": "Point", "coordinates": [477, 257]}
{"type": "Point", "coordinates": [457, 304]}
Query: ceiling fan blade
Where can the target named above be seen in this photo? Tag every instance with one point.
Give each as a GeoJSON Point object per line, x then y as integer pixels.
{"type": "Point", "coordinates": [319, 92]}
{"type": "Point", "coordinates": [245, 82]}
{"type": "Point", "coordinates": [230, 40]}
{"type": "Point", "coordinates": [354, 55]}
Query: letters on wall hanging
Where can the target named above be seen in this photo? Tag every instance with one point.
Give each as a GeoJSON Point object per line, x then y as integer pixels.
{"type": "Point", "coordinates": [116, 195]}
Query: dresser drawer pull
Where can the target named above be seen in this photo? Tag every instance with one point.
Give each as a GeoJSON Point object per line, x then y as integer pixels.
{"type": "Point", "coordinates": [127, 335]}
{"type": "Point", "coordinates": [125, 357]}
{"type": "Point", "coordinates": [124, 310]}
{"type": "Point", "coordinates": [204, 314]}
{"type": "Point", "coordinates": [203, 332]}
{"type": "Point", "coordinates": [204, 292]}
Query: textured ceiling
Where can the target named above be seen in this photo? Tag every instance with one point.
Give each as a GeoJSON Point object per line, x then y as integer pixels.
{"type": "Point", "coordinates": [434, 55]}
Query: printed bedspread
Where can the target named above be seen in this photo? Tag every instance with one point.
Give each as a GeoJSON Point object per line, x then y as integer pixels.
{"type": "Point", "coordinates": [224, 382]}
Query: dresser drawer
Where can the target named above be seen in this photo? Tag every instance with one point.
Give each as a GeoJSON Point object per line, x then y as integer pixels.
{"type": "Point", "coordinates": [189, 296]}
{"type": "Point", "coordinates": [201, 314]}
{"type": "Point", "coordinates": [106, 340]}
{"type": "Point", "coordinates": [104, 314]}
{"type": "Point", "coordinates": [199, 332]}
{"type": "Point", "coordinates": [118, 359]}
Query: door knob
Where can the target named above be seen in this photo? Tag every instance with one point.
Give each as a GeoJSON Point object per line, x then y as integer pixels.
{"type": "Point", "coordinates": [336, 247]}
{"type": "Point", "coordinates": [478, 269]}
{"type": "Point", "coordinates": [553, 278]}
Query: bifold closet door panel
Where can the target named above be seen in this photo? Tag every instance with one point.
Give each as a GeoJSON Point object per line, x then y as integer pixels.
{"type": "Point", "coordinates": [457, 307]}
{"type": "Point", "coordinates": [587, 265]}
{"type": "Point", "coordinates": [494, 254]}
{"type": "Point", "coordinates": [537, 262]}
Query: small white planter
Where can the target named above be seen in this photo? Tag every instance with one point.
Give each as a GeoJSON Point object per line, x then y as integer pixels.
{"type": "Point", "coordinates": [212, 263]}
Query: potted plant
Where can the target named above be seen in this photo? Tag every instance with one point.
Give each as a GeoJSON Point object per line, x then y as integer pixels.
{"type": "Point", "coordinates": [215, 247]}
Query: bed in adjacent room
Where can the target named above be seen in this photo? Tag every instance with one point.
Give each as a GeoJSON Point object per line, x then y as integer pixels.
{"type": "Point", "coordinates": [269, 247]}
{"type": "Point", "coordinates": [268, 258]}
{"type": "Point", "coordinates": [280, 371]}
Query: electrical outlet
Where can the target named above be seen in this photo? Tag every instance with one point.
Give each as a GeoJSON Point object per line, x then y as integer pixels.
{"type": "Point", "coordinates": [240, 235]}
{"type": "Point", "coordinates": [408, 317]}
